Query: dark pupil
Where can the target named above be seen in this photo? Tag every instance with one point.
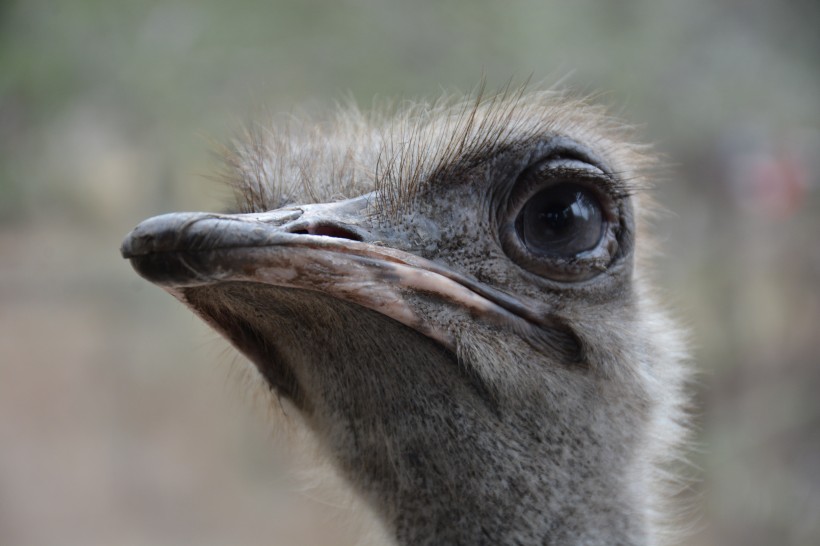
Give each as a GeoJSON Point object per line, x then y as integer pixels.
{"type": "Point", "coordinates": [563, 220]}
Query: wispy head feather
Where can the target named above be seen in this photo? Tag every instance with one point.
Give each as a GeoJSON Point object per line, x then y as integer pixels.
{"type": "Point", "coordinates": [398, 148]}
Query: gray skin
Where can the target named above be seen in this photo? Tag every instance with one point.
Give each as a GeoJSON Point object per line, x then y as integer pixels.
{"type": "Point", "coordinates": [472, 389]}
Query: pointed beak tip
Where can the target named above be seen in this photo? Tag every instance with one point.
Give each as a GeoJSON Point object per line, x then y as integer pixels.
{"type": "Point", "coordinates": [125, 249]}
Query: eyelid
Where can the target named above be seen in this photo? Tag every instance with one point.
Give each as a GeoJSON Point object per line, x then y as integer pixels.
{"type": "Point", "coordinates": [570, 164]}
{"type": "Point", "coordinates": [604, 187]}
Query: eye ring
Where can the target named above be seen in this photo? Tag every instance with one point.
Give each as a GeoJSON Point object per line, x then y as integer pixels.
{"type": "Point", "coordinates": [560, 222]}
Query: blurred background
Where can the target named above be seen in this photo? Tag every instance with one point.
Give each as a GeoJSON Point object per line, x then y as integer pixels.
{"type": "Point", "coordinates": [117, 422]}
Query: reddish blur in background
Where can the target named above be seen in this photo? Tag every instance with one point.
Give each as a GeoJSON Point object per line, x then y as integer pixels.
{"type": "Point", "coordinates": [117, 423]}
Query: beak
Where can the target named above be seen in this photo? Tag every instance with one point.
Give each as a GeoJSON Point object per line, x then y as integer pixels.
{"type": "Point", "coordinates": [330, 248]}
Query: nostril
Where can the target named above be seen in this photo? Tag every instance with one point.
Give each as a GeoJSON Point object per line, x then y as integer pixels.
{"type": "Point", "coordinates": [334, 231]}
{"type": "Point", "coordinates": [329, 231]}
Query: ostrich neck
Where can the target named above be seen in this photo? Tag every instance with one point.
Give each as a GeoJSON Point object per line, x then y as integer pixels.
{"type": "Point", "coordinates": [441, 472]}
{"type": "Point", "coordinates": [464, 490]}
{"type": "Point", "coordinates": [438, 457]}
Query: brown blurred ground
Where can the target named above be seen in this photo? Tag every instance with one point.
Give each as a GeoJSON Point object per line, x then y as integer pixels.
{"type": "Point", "coordinates": [117, 425]}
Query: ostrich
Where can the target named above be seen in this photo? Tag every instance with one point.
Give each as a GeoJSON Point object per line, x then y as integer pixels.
{"type": "Point", "coordinates": [454, 296]}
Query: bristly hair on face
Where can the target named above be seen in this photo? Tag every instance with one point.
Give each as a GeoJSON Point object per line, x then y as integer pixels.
{"type": "Point", "coordinates": [400, 147]}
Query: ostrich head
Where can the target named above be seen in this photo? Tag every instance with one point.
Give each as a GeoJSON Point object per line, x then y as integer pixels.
{"type": "Point", "coordinates": [454, 297]}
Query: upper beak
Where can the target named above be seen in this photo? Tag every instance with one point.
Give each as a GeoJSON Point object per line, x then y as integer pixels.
{"type": "Point", "coordinates": [190, 233]}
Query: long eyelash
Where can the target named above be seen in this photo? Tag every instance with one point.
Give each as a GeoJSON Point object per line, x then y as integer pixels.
{"type": "Point", "coordinates": [613, 183]}
{"type": "Point", "coordinates": [398, 150]}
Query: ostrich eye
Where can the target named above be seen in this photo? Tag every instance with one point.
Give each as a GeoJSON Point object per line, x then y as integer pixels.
{"type": "Point", "coordinates": [561, 221]}
{"type": "Point", "coordinates": [565, 219]}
